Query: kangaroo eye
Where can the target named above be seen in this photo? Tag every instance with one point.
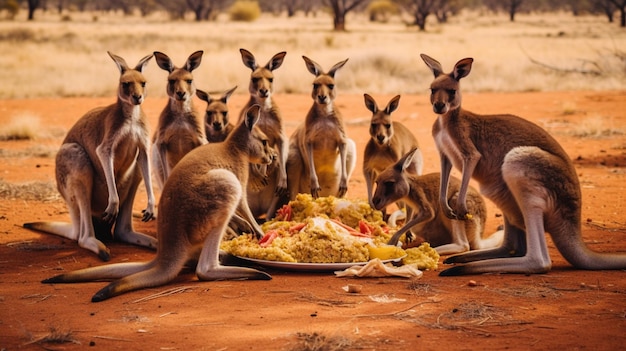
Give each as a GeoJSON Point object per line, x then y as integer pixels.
{"type": "Point", "coordinates": [255, 80]}
{"type": "Point", "coordinates": [143, 84]}
{"type": "Point", "coordinates": [451, 92]}
{"type": "Point", "coordinates": [264, 142]}
{"type": "Point", "coordinates": [189, 81]}
{"type": "Point", "coordinates": [316, 86]}
{"type": "Point", "coordinates": [224, 114]}
{"type": "Point", "coordinates": [432, 91]}
{"type": "Point", "coordinates": [387, 126]}
{"type": "Point", "coordinates": [171, 81]}
{"type": "Point", "coordinates": [331, 86]}
{"type": "Point", "coordinates": [271, 80]}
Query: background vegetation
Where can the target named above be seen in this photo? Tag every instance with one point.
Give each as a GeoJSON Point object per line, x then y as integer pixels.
{"type": "Point", "coordinates": [550, 45]}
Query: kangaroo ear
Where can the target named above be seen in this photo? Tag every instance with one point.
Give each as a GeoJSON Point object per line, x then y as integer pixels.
{"type": "Point", "coordinates": [433, 64]}
{"type": "Point", "coordinates": [462, 68]}
{"type": "Point", "coordinates": [336, 67]}
{"type": "Point", "coordinates": [202, 95]}
{"type": "Point", "coordinates": [248, 59]}
{"type": "Point", "coordinates": [253, 114]}
{"type": "Point", "coordinates": [407, 159]}
{"type": "Point", "coordinates": [370, 103]}
{"type": "Point", "coordinates": [120, 62]}
{"type": "Point", "coordinates": [164, 61]}
{"type": "Point", "coordinates": [143, 63]}
{"type": "Point", "coordinates": [194, 60]}
{"type": "Point", "coordinates": [392, 105]}
{"type": "Point", "coordinates": [276, 61]}
{"type": "Point", "coordinates": [312, 66]}
{"type": "Point", "coordinates": [227, 94]}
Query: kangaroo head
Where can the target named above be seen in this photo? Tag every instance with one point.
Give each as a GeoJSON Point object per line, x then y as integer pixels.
{"type": "Point", "coordinates": [324, 83]}
{"type": "Point", "coordinates": [392, 184]}
{"type": "Point", "coordinates": [258, 145]}
{"type": "Point", "coordinates": [132, 88]}
{"type": "Point", "coordinates": [261, 78]}
{"type": "Point", "coordinates": [216, 116]}
{"type": "Point", "coordinates": [444, 90]}
{"type": "Point", "coordinates": [381, 126]}
{"type": "Point", "coordinates": [180, 85]}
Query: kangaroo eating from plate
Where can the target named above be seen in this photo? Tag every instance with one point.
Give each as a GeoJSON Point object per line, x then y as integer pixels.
{"type": "Point", "coordinates": [202, 194]}
{"type": "Point", "coordinates": [99, 166]}
{"type": "Point", "coordinates": [421, 193]}
{"type": "Point", "coordinates": [523, 170]}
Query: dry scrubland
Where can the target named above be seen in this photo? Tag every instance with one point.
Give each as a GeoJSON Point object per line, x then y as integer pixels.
{"type": "Point", "coordinates": [54, 63]}
{"type": "Point", "coordinates": [50, 58]}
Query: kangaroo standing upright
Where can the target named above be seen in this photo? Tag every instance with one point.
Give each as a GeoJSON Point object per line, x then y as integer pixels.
{"type": "Point", "coordinates": [99, 167]}
{"type": "Point", "coordinates": [321, 156]}
{"type": "Point", "coordinates": [217, 124]}
{"type": "Point", "coordinates": [420, 193]}
{"type": "Point", "coordinates": [198, 200]}
{"type": "Point", "coordinates": [523, 170]}
{"type": "Point", "coordinates": [390, 140]}
{"type": "Point", "coordinates": [268, 182]}
{"type": "Point", "coordinates": [180, 129]}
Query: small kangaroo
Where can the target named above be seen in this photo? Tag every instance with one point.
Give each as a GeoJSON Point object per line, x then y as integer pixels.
{"type": "Point", "coordinates": [216, 120]}
{"type": "Point", "coordinates": [321, 156]}
{"type": "Point", "coordinates": [399, 182]}
{"type": "Point", "coordinates": [267, 183]}
{"type": "Point", "coordinates": [523, 170]}
{"type": "Point", "coordinates": [198, 200]}
{"type": "Point", "coordinates": [389, 141]}
{"type": "Point", "coordinates": [179, 129]}
{"type": "Point", "coordinates": [99, 166]}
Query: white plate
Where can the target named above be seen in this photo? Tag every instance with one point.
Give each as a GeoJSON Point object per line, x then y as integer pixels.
{"type": "Point", "coordinates": [309, 267]}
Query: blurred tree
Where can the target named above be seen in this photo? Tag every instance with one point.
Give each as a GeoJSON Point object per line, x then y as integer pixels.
{"type": "Point", "coordinates": [421, 9]}
{"type": "Point", "coordinates": [606, 7]}
{"type": "Point", "coordinates": [32, 6]}
{"type": "Point", "coordinates": [12, 7]}
{"type": "Point", "coordinates": [621, 6]}
{"type": "Point", "coordinates": [340, 9]}
{"type": "Point", "coordinates": [205, 10]}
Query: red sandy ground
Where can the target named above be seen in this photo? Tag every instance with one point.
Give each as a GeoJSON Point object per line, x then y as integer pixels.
{"type": "Point", "coordinates": [566, 309]}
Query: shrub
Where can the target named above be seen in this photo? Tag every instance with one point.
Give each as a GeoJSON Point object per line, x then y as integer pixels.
{"type": "Point", "coordinates": [381, 10]}
{"type": "Point", "coordinates": [245, 11]}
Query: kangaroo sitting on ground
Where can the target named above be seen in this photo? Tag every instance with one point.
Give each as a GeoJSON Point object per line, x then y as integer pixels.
{"type": "Point", "coordinates": [267, 183]}
{"type": "Point", "coordinates": [523, 170]}
{"type": "Point", "coordinates": [198, 200]}
{"type": "Point", "coordinates": [421, 193]}
{"type": "Point", "coordinates": [321, 156]}
{"type": "Point", "coordinates": [217, 125]}
{"type": "Point", "coordinates": [99, 167]}
{"type": "Point", "coordinates": [180, 129]}
{"type": "Point", "coordinates": [389, 141]}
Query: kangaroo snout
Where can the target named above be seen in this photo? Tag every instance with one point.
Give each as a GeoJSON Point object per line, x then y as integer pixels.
{"type": "Point", "coordinates": [439, 107]}
{"type": "Point", "coordinates": [137, 99]}
{"type": "Point", "coordinates": [322, 99]}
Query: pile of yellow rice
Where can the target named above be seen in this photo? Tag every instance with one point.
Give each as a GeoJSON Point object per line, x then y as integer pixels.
{"type": "Point", "coordinates": [307, 231]}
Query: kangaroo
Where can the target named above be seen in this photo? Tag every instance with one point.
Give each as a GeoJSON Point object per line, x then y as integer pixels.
{"type": "Point", "coordinates": [321, 156]}
{"type": "Point", "coordinates": [523, 170]}
{"type": "Point", "coordinates": [216, 121]}
{"type": "Point", "coordinates": [179, 129]}
{"type": "Point", "coordinates": [399, 182]}
{"type": "Point", "coordinates": [267, 184]}
{"type": "Point", "coordinates": [99, 166]}
{"type": "Point", "coordinates": [198, 200]}
{"type": "Point", "coordinates": [389, 141]}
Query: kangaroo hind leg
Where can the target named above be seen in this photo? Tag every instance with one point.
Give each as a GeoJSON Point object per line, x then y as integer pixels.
{"type": "Point", "coordinates": [225, 186]}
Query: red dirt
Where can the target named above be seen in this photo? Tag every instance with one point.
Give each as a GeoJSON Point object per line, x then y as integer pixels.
{"type": "Point", "coordinates": [565, 309]}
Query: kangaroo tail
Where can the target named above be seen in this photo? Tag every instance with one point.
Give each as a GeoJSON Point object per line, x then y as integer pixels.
{"type": "Point", "coordinates": [57, 228]}
{"type": "Point", "coordinates": [574, 250]}
{"type": "Point", "coordinates": [106, 272]}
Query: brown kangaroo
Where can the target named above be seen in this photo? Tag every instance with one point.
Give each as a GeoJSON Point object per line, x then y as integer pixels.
{"type": "Point", "coordinates": [217, 124]}
{"type": "Point", "coordinates": [321, 156]}
{"type": "Point", "coordinates": [269, 182]}
{"type": "Point", "coordinates": [198, 200]}
{"type": "Point", "coordinates": [389, 141]}
{"type": "Point", "coordinates": [99, 167]}
{"type": "Point", "coordinates": [180, 129]}
{"type": "Point", "coordinates": [523, 170]}
{"type": "Point", "coordinates": [399, 182]}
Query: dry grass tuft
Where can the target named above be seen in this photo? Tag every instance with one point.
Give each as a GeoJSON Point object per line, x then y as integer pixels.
{"type": "Point", "coordinates": [54, 336]}
{"type": "Point", "coordinates": [22, 127]}
{"type": "Point", "coordinates": [318, 342]}
{"type": "Point", "coordinates": [31, 191]}
{"type": "Point", "coordinates": [595, 127]}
